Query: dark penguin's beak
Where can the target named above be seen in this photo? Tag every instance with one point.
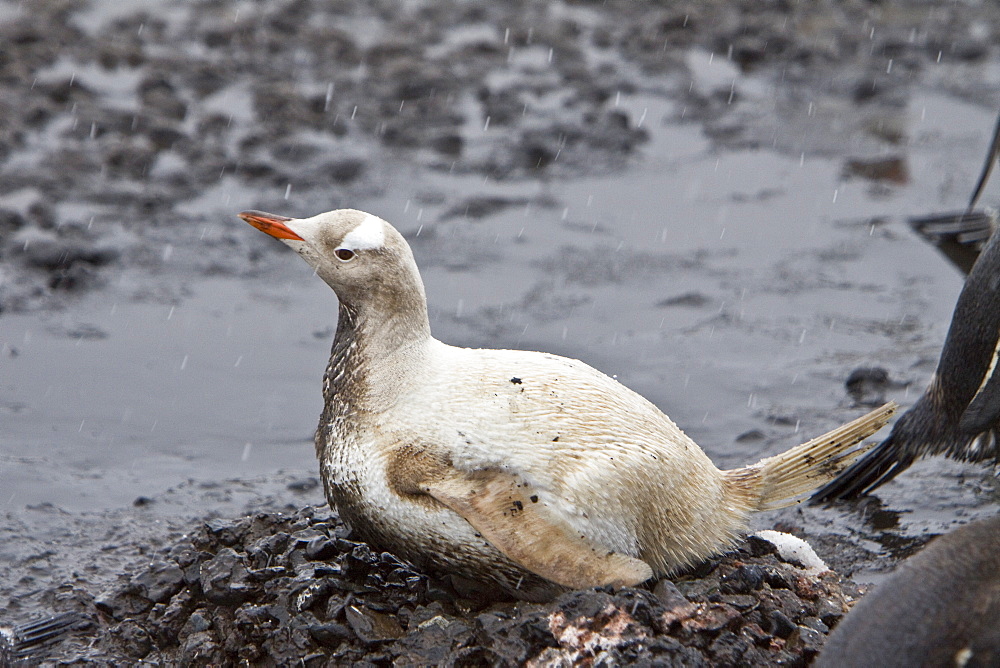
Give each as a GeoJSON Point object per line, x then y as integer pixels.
{"type": "Point", "coordinates": [270, 223]}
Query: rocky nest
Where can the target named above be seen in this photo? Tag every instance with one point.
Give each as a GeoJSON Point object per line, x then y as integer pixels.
{"type": "Point", "coordinates": [277, 589]}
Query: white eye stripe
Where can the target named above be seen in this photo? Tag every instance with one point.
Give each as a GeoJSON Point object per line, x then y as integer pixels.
{"type": "Point", "coordinates": [369, 234]}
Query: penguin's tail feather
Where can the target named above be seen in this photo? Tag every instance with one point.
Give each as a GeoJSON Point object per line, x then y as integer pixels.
{"type": "Point", "coordinates": [878, 466]}
{"type": "Point", "coordinates": [783, 480]}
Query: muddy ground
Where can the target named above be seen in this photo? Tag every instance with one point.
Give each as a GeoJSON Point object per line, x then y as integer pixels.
{"type": "Point", "coordinates": [706, 199]}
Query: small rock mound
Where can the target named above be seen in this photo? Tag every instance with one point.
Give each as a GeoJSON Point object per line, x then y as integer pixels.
{"type": "Point", "coordinates": [276, 589]}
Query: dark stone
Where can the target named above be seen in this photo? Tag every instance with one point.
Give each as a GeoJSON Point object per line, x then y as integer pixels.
{"type": "Point", "coordinates": [135, 640]}
{"type": "Point", "coordinates": [197, 622]}
{"type": "Point", "coordinates": [226, 532]}
{"type": "Point", "coordinates": [781, 625]}
{"type": "Point", "coordinates": [778, 578]}
{"type": "Point", "coordinates": [371, 626]}
{"type": "Point", "coordinates": [448, 144]}
{"type": "Point", "coordinates": [758, 547]}
{"type": "Point", "coordinates": [688, 299]}
{"type": "Point", "coordinates": [304, 485]}
{"type": "Point", "coordinates": [730, 649]}
{"type": "Point", "coordinates": [201, 649]}
{"type": "Point", "coordinates": [867, 386]}
{"type": "Point", "coordinates": [329, 634]}
{"type": "Point", "coordinates": [224, 579]}
{"type": "Point", "coordinates": [160, 581]}
{"type": "Point", "coordinates": [10, 221]}
{"type": "Point", "coordinates": [346, 170]}
{"type": "Point", "coordinates": [123, 603]}
{"type": "Point", "coordinates": [743, 580]}
{"type": "Point", "coordinates": [321, 548]}
{"type": "Point", "coordinates": [315, 594]}
{"type": "Point", "coordinates": [807, 641]}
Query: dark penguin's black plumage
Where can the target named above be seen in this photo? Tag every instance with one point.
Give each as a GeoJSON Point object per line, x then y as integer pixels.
{"type": "Point", "coordinates": [941, 608]}
{"type": "Point", "coordinates": [959, 413]}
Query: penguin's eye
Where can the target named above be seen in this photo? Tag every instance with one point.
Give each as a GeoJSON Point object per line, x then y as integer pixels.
{"type": "Point", "coordinates": [344, 254]}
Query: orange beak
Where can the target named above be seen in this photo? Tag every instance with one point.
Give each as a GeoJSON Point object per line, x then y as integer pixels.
{"type": "Point", "coordinates": [270, 223]}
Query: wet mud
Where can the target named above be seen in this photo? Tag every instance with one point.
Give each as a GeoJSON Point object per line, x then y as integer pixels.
{"type": "Point", "coordinates": [706, 200]}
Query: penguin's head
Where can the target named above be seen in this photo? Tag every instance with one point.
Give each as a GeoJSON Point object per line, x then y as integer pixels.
{"type": "Point", "coordinates": [362, 257]}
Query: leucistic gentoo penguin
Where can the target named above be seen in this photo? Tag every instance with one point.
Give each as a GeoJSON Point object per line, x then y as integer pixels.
{"type": "Point", "coordinates": [959, 413]}
{"type": "Point", "coordinates": [941, 608]}
{"type": "Point", "coordinates": [526, 470]}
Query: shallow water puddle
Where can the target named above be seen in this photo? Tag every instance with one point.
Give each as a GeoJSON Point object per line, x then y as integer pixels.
{"type": "Point", "coordinates": [120, 399]}
{"type": "Point", "coordinates": [735, 289]}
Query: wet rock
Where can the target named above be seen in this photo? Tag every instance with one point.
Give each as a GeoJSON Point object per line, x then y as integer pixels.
{"type": "Point", "coordinates": [743, 580]}
{"type": "Point", "coordinates": [867, 386]}
{"type": "Point", "coordinates": [481, 207]}
{"type": "Point", "coordinates": [10, 222]}
{"type": "Point", "coordinates": [805, 640]}
{"type": "Point", "coordinates": [781, 625]}
{"type": "Point", "coordinates": [200, 649]}
{"type": "Point", "coordinates": [371, 626]}
{"type": "Point", "coordinates": [305, 484]}
{"type": "Point", "coordinates": [320, 548]}
{"type": "Point", "coordinates": [224, 579]}
{"type": "Point", "coordinates": [689, 299]}
{"type": "Point", "coordinates": [751, 436]}
{"type": "Point", "coordinates": [122, 603]}
{"type": "Point", "coordinates": [226, 532]}
{"type": "Point", "coordinates": [47, 250]}
{"type": "Point", "coordinates": [160, 96]}
{"type": "Point", "coordinates": [892, 169]}
{"type": "Point", "coordinates": [346, 170]}
{"type": "Point", "coordinates": [159, 582]}
{"type": "Point", "coordinates": [133, 639]}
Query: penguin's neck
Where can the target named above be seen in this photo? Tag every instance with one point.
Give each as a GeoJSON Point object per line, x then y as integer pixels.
{"type": "Point", "coordinates": [372, 350]}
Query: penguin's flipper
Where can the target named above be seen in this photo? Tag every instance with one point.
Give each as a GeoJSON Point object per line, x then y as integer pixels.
{"type": "Point", "coordinates": [514, 520]}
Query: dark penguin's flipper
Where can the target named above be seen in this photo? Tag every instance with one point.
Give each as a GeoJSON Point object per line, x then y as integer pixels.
{"type": "Point", "coordinates": [992, 157]}
{"type": "Point", "coordinates": [877, 467]}
{"type": "Point", "coordinates": [959, 413]}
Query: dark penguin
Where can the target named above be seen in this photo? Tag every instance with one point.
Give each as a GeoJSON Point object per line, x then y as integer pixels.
{"type": "Point", "coordinates": [941, 608]}
{"type": "Point", "coordinates": [959, 413]}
